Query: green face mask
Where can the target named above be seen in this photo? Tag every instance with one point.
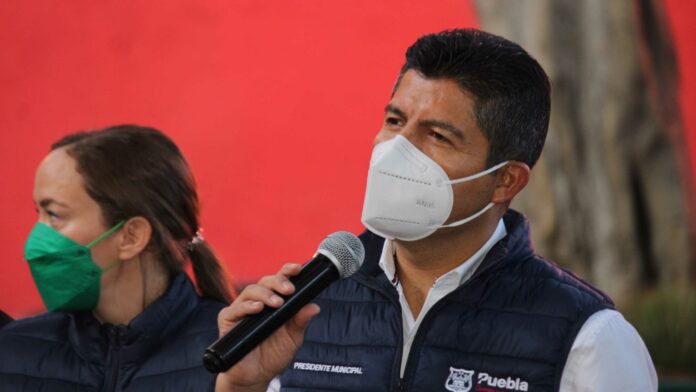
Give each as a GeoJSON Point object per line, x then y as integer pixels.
{"type": "Point", "coordinates": [63, 270]}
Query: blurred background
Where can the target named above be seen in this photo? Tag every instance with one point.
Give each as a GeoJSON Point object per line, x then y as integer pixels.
{"type": "Point", "coordinates": [275, 104]}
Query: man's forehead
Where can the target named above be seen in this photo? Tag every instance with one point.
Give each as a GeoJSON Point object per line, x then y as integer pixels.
{"type": "Point", "coordinates": [442, 98]}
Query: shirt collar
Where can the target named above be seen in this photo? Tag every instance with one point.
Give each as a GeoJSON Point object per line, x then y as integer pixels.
{"type": "Point", "coordinates": [459, 274]}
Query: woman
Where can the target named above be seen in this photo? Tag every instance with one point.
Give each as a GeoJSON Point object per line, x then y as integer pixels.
{"type": "Point", "coordinates": [117, 222]}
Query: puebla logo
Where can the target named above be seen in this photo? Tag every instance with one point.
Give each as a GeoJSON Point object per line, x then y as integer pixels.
{"type": "Point", "coordinates": [459, 380]}
{"type": "Point", "coordinates": [462, 380]}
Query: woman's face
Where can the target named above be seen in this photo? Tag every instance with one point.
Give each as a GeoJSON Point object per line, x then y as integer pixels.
{"type": "Point", "coordinates": [63, 203]}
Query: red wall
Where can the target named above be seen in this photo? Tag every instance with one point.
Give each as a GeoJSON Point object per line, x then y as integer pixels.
{"type": "Point", "coordinates": [681, 14]}
{"type": "Point", "coordinates": [275, 104]}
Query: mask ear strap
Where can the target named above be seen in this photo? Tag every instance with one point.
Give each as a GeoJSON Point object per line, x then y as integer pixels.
{"type": "Point", "coordinates": [112, 265]}
{"type": "Point", "coordinates": [472, 217]}
{"type": "Point", "coordinates": [477, 175]}
{"type": "Point", "coordinates": [108, 233]}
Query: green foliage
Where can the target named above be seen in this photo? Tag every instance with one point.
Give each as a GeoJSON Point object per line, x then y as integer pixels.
{"type": "Point", "coordinates": [666, 320]}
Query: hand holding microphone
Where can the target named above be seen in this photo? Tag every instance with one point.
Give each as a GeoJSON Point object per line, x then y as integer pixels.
{"type": "Point", "coordinates": [264, 327]}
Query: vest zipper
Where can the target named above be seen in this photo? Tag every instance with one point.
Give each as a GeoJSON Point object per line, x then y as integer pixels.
{"type": "Point", "coordinates": [400, 385]}
{"type": "Point", "coordinates": [111, 379]}
{"type": "Point", "coordinates": [389, 292]}
{"type": "Point", "coordinates": [415, 346]}
{"type": "Point", "coordinates": [424, 326]}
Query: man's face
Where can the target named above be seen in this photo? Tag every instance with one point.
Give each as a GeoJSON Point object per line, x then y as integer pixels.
{"type": "Point", "coordinates": [436, 116]}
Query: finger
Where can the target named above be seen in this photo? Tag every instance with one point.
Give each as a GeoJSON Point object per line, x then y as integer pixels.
{"type": "Point", "coordinates": [290, 269]}
{"type": "Point", "coordinates": [249, 301]}
{"type": "Point", "coordinates": [278, 283]}
{"type": "Point", "coordinates": [262, 294]}
{"type": "Point", "coordinates": [239, 310]}
{"type": "Point", "coordinates": [228, 317]}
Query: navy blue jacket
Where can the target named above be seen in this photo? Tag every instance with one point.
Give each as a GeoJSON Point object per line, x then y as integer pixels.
{"type": "Point", "coordinates": [160, 350]}
{"type": "Point", "coordinates": [510, 327]}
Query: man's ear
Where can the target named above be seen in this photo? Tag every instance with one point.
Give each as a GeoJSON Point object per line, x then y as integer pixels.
{"type": "Point", "coordinates": [135, 237]}
{"type": "Point", "coordinates": [510, 180]}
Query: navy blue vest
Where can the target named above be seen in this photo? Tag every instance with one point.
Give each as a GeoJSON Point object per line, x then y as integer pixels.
{"type": "Point", "coordinates": [160, 350]}
{"type": "Point", "coordinates": [509, 328]}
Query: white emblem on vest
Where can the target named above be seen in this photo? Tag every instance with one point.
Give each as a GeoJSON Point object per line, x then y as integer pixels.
{"type": "Point", "coordinates": [459, 380]}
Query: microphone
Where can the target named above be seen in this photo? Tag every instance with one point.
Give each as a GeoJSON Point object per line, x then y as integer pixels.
{"type": "Point", "coordinates": [339, 255]}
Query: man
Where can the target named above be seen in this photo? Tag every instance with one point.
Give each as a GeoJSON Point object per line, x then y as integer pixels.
{"type": "Point", "coordinates": [451, 295]}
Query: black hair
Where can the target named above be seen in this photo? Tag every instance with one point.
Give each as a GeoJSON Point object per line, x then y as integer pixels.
{"type": "Point", "coordinates": [511, 91]}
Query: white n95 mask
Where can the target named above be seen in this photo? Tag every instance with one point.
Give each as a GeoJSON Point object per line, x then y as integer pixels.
{"type": "Point", "coordinates": [409, 195]}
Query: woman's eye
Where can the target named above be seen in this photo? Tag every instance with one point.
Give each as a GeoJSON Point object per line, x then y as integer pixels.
{"type": "Point", "coordinates": [52, 214]}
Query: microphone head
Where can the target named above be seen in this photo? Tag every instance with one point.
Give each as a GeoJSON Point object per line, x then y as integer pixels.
{"type": "Point", "coordinates": [345, 250]}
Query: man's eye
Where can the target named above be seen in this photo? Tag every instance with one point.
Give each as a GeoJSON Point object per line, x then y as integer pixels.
{"type": "Point", "coordinates": [439, 137]}
{"type": "Point", "coordinates": [392, 121]}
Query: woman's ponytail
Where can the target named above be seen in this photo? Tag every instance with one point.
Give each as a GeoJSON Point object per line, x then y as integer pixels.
{"type": "Point", "coordinates": [210, 275]}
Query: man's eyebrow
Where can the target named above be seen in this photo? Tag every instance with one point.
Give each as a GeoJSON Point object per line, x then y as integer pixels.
{"type": "Point", "coordinates": [44, 203]}
{"type": "Point", "coordinates": [447, 126]}
{"type": "Point", "coordinates": [393, 109]}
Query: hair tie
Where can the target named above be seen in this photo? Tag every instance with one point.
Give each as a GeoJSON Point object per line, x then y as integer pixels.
{"type": "Point", "coordinates": [197, 239]}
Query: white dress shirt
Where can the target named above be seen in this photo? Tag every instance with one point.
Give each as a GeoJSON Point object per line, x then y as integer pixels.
{"type": "Point", "coordinates": [607, 354]}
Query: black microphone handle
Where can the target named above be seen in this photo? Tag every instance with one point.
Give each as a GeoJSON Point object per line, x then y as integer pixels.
{"type": "Point", "coordinates": [315, 276]}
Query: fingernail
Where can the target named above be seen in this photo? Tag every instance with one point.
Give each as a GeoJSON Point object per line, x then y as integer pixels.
{"type": "Point", "coordinates": [276, 299]}
{"type": "Point", "coordinates": [287, 286]}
